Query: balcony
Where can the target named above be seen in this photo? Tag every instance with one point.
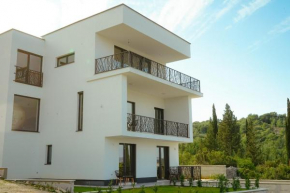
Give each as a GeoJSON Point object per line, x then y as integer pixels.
{"type": "Point", "coordinates": [137, 123]}
{"type": "Point", "coordinates": [130, 59]}
{"type": "Point", "coordinates": [26, 76]}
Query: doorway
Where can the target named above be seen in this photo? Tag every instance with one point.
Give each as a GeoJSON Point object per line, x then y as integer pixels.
{"type": "Point", "coordinates": [159, 121]}
{"type": "Point", "coordinates": [127, 160]}
{"type": "Point", "coordinates": [162, 163]}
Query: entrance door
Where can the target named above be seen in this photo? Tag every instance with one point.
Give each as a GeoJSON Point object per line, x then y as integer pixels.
{"type": "Point", "coordinates": [127, 160]}
{"type": "Point", "coordinates": [162, 163]}
{"type": "Point", "coordinates": [159, 121]}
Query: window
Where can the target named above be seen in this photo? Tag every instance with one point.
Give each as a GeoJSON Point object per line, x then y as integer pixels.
{"type": "Point", "coordinates": [48, 154]}
{"type": "Point", "coordinates": [67, 59]}
{"type": "Point", "coordinates": [28, 68]}
{"type": "Point", "coordinates": [80, 110]}
{"type": "Point", "coordinates": [25, 114]}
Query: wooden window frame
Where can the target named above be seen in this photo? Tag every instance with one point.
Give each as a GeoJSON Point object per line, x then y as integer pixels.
{"type": "Point", "coordinates": [38, 112]}
{"type": "Point", "coordinates": [80, 110]}
{"type": "Point", "coordinates": [48, 154]}
{"type": "Point", "coordinates": [28, 58]}
{"type": "Point", "coordinates": [65, 56]}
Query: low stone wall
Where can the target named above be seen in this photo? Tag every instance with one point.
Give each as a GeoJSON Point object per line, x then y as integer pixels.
{"type": "Point", "coordinates": [207, 171]}
{"type": "Point", "coordinates": [3, 173]}
{"type": "Point", "coordinates": [63, 185]}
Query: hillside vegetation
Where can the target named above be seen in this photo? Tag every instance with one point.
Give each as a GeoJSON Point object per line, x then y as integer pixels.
{"type": "Point", "coordinates": [256, 144]}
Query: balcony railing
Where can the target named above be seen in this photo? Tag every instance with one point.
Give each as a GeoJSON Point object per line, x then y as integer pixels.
{"type": "Point", "coordinates": [130, 59]}
{"type": "Point", "coordinates": [137, 123]}
{"type": "Point", "coordinates": [26, 76]}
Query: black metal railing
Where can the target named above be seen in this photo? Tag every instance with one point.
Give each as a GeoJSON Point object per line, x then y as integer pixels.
{"type": "Point", "coordinates": [26, 76]}
{"type": "Point", "coordinates": [139, 123]}
{"type": "Point", "coordinates": [193, 172]}
{"type": "Point", "coordinates": [130, 59]}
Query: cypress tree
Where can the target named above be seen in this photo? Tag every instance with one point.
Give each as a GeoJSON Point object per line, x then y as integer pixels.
{"type": "Point", "coordinates": [210, 140]}
{"type": "Point", "coordinates": [252, 147]}
{"type": "Point", "coordinates": [211, 136]}
{"type": "Point", "coordinates": [229, 133]}
{"type": "Point", "coordinates": [288, 131]}
{"type": "Point", "coordinates": [214, 121]}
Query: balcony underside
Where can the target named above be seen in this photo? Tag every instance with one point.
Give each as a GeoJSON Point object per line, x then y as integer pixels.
{"type": "Point", "coordinates": [160, 52]}
{"type": "Point", "coordinates": [146, 83]}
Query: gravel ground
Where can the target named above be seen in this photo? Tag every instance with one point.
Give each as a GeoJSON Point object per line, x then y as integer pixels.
{"type": "Point", "coordinates": [10, 187]}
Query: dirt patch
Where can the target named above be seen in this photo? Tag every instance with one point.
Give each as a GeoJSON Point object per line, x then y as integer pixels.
{"type": "Point", "coordinates": [10, 187]}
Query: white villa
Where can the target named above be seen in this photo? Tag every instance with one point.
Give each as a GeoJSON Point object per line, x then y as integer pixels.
{"type": "Point", "coordinates": [93, 98]}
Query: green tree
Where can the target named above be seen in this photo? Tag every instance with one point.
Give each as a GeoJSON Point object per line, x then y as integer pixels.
{"type": "Point", "coordinates": [287, 133]}
{"type": "Point", "coordinates": [211, 135]}
{"type": "Point", "coordinates": [229, 137]}
{"type": "Point", "coordinates": [252, 147]}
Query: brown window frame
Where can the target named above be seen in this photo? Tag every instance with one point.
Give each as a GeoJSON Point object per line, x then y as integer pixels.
{"type": "Point", "coordinates": [28, 71]}
{"type": "Point", "coordinates": [28, 58]}
{"type": "Point", "coordinates": [48, 154]}
{"type": "Point", "coordinates": [80, 111]}
{"type": "Point", "coordinates": [38, 112]}
{"type": "Point", "coordinates": [65, 56]}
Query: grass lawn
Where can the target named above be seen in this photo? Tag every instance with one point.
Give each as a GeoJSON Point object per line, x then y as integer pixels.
{"type": "Point", "coordinates": [86, 189]}
{"type": "Point", "coordinates": [161, 189]}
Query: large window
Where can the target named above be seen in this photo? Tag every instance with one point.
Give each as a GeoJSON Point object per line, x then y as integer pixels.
{"type": "Point", "coordinates": [25, 114]}
{"type": "Point", "coordinates": [80, 110]}
{"type": "Point", "coordinates": [28, 68]}
{"type": "Point", "coordinates": [67, 59]}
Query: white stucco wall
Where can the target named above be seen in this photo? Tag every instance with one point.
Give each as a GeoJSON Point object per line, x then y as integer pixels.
{"type": "Point", "coordinates": [5, 57]}
{"type": "Point", "coordinates": [20, 147]}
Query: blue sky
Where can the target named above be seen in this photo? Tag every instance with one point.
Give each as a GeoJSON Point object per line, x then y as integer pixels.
{"type": "Point", "coordinates": [240, 48]}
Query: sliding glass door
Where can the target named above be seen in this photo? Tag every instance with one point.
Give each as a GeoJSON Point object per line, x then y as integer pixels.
{"type": "Point", "coordinates": [127, 160]}
{"type": "Point", "coordinates": [162, 163]}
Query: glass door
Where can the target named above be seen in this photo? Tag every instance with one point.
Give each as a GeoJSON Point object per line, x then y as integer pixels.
{"type": "Point", "coordinates": [162, 163]}
{"type": "Point", "coordinates": [159, 121]}
{"type": "Point", "coordinates": [127, 160]}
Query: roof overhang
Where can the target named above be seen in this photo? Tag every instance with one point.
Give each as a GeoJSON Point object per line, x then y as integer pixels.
{"type": "Point", "coordinates": [137, 40]}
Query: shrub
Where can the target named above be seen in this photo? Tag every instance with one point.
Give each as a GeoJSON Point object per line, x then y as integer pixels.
{"type": "Point", "coordinates": [119, 190]}
{"type": "Point", "coordinates": [133, 185]}
{"type": "Point", "coordinates": [174, 181]}
{"type": "Point", "coordinates": [99, 190]}
{"type": "Point", "coordinates": [223, 183]}
{"type": "Point", "coordinates": [155, 188]}
{"type": "Point", "coordinates": [110, 187]}
{"type": "Point", "coordinates": [248, 184]}
{"type": "Point", "coordinates": [190, 182]}
{"type": "Point", "coordinates": [236, 184]}
{"type": "Point", "coordinates": [142, 189]}
{"type": "Point", "coordinates": [199, 183]}
{"type": "Point", "coordinates": [182, 180]}
{"type": "Point", "coordinates": [257, 182]}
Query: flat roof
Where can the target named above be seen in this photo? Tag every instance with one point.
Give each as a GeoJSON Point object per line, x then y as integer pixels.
{"type": "Point", "coordinates": [12, 29]}
{"type": "Point", "coordinates": [111, 9]}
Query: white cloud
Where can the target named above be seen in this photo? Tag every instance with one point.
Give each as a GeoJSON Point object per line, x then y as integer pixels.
{"type": "Point", "coordinates": [180, 14]}
{"type": "Point", "coordinates": [249, 9]}
{"type": "Point", "coordinates": [282, 27]}
{"type": "Point", "coordinates": [212, 18]}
